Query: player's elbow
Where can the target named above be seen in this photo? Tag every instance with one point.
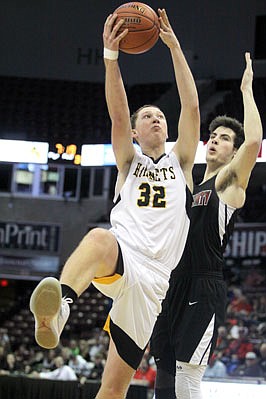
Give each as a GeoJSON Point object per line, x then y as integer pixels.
{"type": "Point", "coordinates": [120, 120]}
{"type": "Point", "coordinates": [195, 111]}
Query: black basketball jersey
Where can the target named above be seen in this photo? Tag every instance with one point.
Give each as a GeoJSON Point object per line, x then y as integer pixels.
{"type": "Point", "coordinates": [211, 224]}
{"type": "Point", "coordinates": [195, 304]}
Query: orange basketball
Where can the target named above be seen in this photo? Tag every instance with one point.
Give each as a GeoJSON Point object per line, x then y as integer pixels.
{"type": "Point", "coordinates": [143, 27]}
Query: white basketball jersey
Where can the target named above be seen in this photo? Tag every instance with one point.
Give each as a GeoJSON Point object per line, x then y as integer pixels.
{"type": "Point", "coordinates": [150, 214]}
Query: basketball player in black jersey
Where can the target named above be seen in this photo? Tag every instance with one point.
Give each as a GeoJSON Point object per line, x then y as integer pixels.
{"type": "Point", "coordinates": [185, 334]}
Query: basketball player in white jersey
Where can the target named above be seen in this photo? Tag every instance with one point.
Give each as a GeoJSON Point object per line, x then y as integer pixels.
{"type": "Point", "coordinates": [131, 262]}
{"type": "Point", "coordinates": [185, 334]}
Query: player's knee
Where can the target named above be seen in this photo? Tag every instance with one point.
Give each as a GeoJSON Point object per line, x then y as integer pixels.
{"type": "Point", "coordinates": [97, 234]}
{"type": "Point", "coordinates": [101, 238]}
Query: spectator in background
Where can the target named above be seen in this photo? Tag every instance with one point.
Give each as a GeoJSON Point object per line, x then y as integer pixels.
{"type": "Point", "coordinates": [261, 307]}
{"type": "Point", "coordinates": [232, 364]}
{"type": "Point", "coordinates": [97, 370]}
{"type": "Point", "coordinates": [222, 340]}
{"type": "Point", "coordinates": [240, 305]}
{"type": "Point", "coordinates": [261, 330]}
{"type": "Point", "coordinates": [11, 365]}
{"type": "Point", "coordinates": [215, 368]}
{"type": "Point", "coordinates": [235, 326]}
{"type": "Point", "coordinates": [62, 372]}
{"type": "Point", "coordinates": [36, 362]}
{"type": "Point", "coordinates": [98, 345]}
{"type": "Point", "coordinates": [241, 345]}
{"type": "Point", "coordinates": [250, 368]}
{"type": "Point", "coordinates": [4, 339]}
{"type": "Point", "coordinates": [2, 357]}
{"type": "Point", "coordinates": [254, 279]}
{"type": "Point", "coordinates": [22, 354]}
{"type": "Point", "coordinates": [65, 352]}
{"type": "Point", "coordinates": [84, 349]}
{"type": "Point", "coordinates": [262, 361]}
{"type": "Point", "coordinates": [145, 374]}
{"type": "Point", "coordinates": [80, 366]}
{"type": "Point", "coordinates": [48, 361]}
{"type": "Point", "coordinates": [73, 345]}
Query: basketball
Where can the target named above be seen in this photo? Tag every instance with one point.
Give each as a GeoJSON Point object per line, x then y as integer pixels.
{"type": "Point", "coordinates": [143, 27]}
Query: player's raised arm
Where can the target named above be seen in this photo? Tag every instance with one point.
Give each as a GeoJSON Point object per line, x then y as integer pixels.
{"type": "Point", "coordinates": [115, 94]}
{"type": "Point", "coordinates": [246, 157]}
{"type": "Point", "coordinates": [189, 120]}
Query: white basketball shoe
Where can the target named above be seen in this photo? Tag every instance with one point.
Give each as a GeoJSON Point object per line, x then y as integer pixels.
{"type": "Point", "coordinates": [50, 311]}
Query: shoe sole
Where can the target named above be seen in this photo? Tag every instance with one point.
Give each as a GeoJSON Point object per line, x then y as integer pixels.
{"type": "Point", "coordinates": [45, 303]}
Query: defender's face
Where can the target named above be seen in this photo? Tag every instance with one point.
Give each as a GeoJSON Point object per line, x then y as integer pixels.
{"type": "Point", "coordinates": [220, 147]}
{"type": "Point", "coordinates": [151, 126]}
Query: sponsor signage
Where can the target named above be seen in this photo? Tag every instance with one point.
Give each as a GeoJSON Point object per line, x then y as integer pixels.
{"type": "Point", "coordinates": [23, 151]}
{"type": "Point", "coordinates": [247, 240]}
{"type": "Point", "coordinates": [30, 236]}
{"type": "Point", "coordinates": [102, 154]}
{"type": "Point", "coordinates": [20, 151]}
{"type": "Point", "coordinates": [28, 266]}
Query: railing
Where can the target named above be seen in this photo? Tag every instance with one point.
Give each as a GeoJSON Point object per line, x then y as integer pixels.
{"type": "Point", "coordinates": [19, 387]}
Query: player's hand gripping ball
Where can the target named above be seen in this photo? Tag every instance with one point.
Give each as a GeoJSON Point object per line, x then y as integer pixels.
{"type": "Point", "coordinates": [143, 27]}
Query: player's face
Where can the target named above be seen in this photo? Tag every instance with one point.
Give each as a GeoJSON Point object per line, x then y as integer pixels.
{"type": "Point", "coordinates": [220, 147]}
{"type": "Point", "coordinates": [151, 126]}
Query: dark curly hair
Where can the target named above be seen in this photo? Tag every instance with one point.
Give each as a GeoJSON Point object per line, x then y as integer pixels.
{"type": "Point", "coordinates": [232, 124]}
